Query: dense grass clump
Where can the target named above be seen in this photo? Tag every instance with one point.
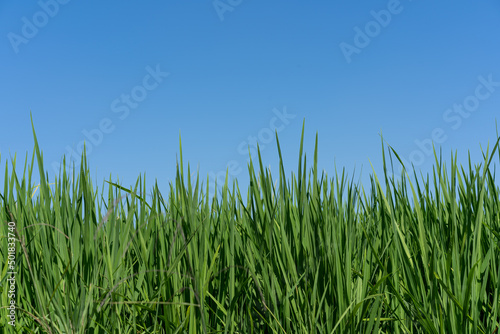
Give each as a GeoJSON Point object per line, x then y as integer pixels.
{"type": "Point", "coordinates": [307, 254]}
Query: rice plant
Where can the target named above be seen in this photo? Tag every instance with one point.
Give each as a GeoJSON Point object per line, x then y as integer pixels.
{"type": "Point", "coordinates": [304, 254]}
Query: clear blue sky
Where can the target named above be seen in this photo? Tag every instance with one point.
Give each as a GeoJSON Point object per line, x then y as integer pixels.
{"type": "Point", "coordinates": [128, 76]}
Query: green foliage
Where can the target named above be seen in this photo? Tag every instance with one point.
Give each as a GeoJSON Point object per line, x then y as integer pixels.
{"type": "Point", "coordinates": [301, 255]}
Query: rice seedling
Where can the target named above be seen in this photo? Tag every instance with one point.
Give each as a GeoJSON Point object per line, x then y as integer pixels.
{"type": "Point", "coordinates": [305, 254]}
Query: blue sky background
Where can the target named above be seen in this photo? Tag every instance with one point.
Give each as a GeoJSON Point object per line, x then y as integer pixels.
{"type": "Point", "coordinates": [233, 66]}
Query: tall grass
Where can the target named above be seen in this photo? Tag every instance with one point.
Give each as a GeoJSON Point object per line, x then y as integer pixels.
{"type": "Point", "coordinates": [307, 254]}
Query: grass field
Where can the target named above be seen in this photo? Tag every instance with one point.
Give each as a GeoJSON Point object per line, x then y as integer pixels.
{"type": "Point", "coordinates": [312, 254]}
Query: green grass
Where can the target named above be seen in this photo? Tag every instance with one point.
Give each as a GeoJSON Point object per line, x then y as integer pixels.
{"type": "Point", "coordinates": [306, 254]}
